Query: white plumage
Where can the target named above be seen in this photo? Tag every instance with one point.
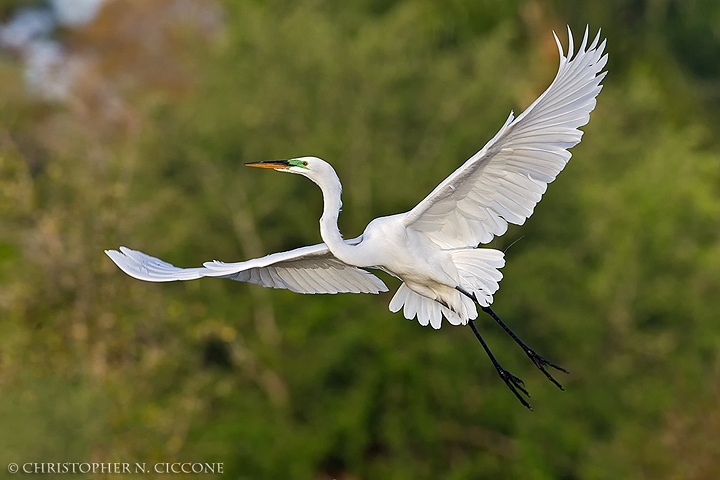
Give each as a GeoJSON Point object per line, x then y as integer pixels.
{"type": "Point", "coordinates": [431, 248]}
{"type": "Point", "coordinates": [505, 180]}
{"type": "Point", "coordinates": [311, 269]}
{"type": "Point", "coordinates": [498, 185]}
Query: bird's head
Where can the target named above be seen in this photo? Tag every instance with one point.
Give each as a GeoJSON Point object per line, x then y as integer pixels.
{"type": "Point", "coordinates": [316, 169]}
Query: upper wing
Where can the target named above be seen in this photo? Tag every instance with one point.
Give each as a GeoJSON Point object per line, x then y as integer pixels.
{"type": "Point", "coordinates": [505, 180]}
{"type": "Point", "coordinates": [310, 269]}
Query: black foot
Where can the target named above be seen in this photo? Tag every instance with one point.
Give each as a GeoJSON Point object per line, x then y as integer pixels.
{"type": "Point", "coordinates": [541, 362]}
{"type": "Point", "coordinates": [514, 384]}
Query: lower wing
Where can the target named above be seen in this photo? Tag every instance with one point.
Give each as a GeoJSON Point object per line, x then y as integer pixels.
{"type": "Point", "coordinates": [311, 269]}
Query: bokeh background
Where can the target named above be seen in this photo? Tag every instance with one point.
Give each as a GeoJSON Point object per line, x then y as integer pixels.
{"type": "Point", "coordinates": [126, 123]}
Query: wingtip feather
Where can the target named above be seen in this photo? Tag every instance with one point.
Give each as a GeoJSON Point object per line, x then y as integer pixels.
{"type": "Point", "coordinates": [583, 45]}
{"type": "Point", "coordinates": [559, 47]}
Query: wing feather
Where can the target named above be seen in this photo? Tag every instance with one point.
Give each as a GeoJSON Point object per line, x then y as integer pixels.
{"type": "Point", "coordinates": [504, 181]}
{"type": "Point", "coordinates": [311, 269]}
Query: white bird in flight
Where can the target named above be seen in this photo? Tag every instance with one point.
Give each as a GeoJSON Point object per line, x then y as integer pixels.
{"type": "Point", "coordinates": [432, 248]}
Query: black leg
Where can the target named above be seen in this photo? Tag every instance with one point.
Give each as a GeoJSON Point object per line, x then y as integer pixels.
{"type": "Point", "coordinates": [513, 382]}
{"type": "Point", "coordinates": [539, 361]}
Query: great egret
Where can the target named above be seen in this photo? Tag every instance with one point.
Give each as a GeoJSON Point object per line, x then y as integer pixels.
{"type": "Point", "coordinates": [431, 248]}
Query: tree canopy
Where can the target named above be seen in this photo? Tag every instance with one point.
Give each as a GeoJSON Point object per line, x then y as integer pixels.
{"type": "Point", "coordinates": [616, 276]}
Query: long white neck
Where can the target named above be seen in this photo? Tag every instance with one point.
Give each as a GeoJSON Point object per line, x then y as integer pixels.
{"type": "Point", "coordinates": [329, 231]}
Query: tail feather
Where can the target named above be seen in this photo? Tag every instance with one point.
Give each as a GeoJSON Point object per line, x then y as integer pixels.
{"type": "Point", "coordinates": [428, 311]}
{"type": "Point", "coordinates": [478, 274]}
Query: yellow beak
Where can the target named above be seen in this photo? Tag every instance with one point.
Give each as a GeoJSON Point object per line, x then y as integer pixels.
{"type": "Point", "coordinates": [274, 164]}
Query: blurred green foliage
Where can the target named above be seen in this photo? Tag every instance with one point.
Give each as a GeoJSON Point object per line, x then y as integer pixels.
{"type": "Point", "coordinates": [616, 276]}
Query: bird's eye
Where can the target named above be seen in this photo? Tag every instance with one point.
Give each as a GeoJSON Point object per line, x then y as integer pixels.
{"type": "Point", "coordinates": [304, 163]}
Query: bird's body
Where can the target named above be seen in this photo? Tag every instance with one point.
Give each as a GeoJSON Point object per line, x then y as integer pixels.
{"type": "Point", "coordinates": [410, 256]}
{"type": "Point", "coordinates": [432, 248]}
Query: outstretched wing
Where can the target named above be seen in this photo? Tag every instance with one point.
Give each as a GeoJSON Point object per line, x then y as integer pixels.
{"type": "Point", "coordinates": [311, 269]}
{"type": "Point", "coordinates": [505, 180]}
